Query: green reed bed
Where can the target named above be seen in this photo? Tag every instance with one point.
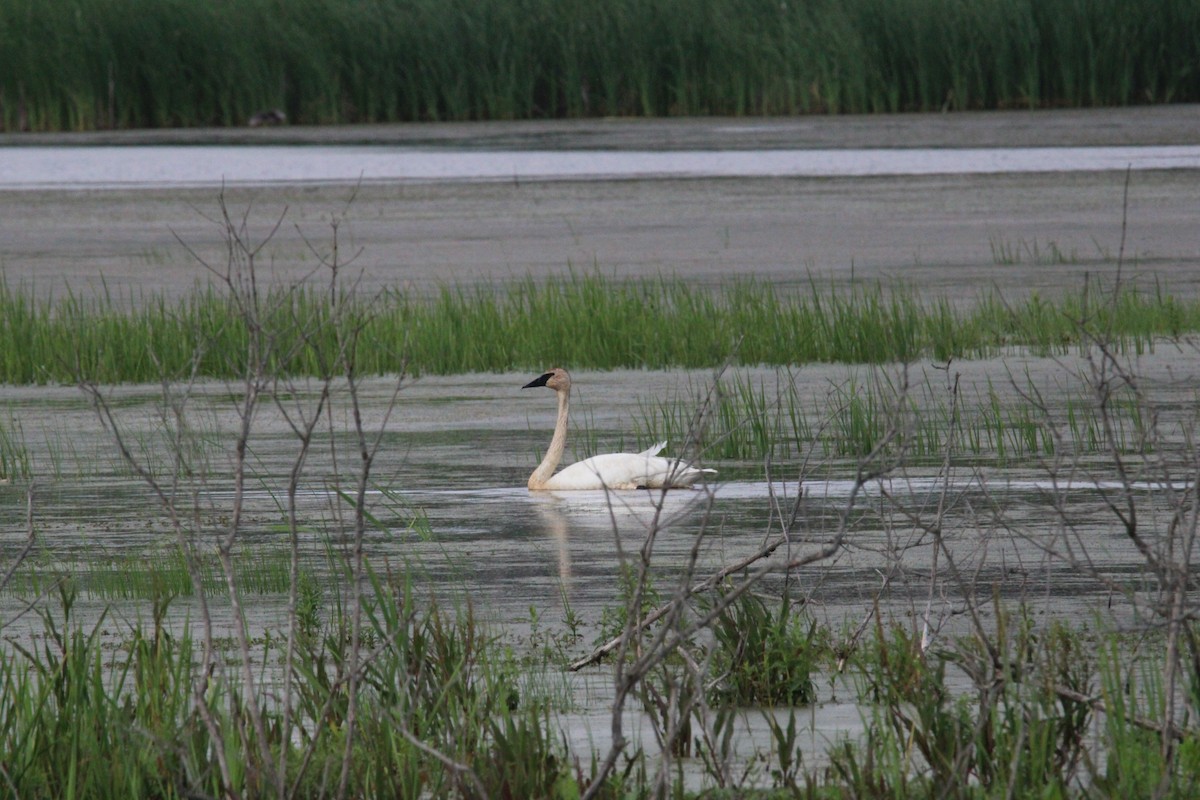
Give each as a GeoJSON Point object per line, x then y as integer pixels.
{"type": "Point", "coordinates": [164, 63]}
{"type": "Point", "coordinates": [585, 321]}
{"type": "Point", "coordinates": [750, 421]}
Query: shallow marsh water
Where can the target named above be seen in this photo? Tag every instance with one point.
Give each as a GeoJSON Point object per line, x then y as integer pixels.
{"type": "Point", "coordinates": [455, 517]}
{"type": "Point", "coordinates": [455, 451]}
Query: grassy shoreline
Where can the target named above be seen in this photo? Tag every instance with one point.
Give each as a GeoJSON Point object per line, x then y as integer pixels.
{"type": "Point", "coordinates": [110, 64]}
{"type": "Point", "coordinates": [586, 321]}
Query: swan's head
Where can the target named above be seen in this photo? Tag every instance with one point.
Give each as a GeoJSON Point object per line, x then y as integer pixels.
{"type": "Point", "coordinates": [556, 379]}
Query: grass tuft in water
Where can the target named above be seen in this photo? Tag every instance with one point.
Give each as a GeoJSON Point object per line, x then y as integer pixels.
{"type": "Point", "coordinates": [14, 456]}
{"type": "Point", "coordinates": [765, 653]}
{"type": "Point", "coordinates": [752, 422]}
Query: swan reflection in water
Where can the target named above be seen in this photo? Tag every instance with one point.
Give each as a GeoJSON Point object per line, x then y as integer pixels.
{"type": "Point", "coordinates": [594, 522]}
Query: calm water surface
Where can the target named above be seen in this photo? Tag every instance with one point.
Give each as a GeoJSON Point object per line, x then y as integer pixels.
{"type": "Point", "coordinates": [455, 453]}
{"type": "Point", "coordinates": [184, 166]}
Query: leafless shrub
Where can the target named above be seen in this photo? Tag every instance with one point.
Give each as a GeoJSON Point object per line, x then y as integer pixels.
{"type": "Point", "coordinates": [183, 488]}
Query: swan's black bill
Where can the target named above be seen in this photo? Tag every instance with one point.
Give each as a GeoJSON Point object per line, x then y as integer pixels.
{"type": "Point", "coordinates": [540, 381]}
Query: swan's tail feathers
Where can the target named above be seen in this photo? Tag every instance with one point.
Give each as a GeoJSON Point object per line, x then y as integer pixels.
{"type": "Point", "coordinates": [654, 449]}
{"type": "Point", "coordinates": [684, 475]}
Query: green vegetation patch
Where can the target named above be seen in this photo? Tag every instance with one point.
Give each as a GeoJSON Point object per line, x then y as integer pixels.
{"type": "Point", "coordinates": [159, 573]}
{"type": "Point", "coordinates": [438, 707]}
{"type": "Point", "coordinates": [742, 420]}
{"type": "Point", "coordinates": [766, 656]}
{"type": "Point", "coordinates": [84, 716]}
{"type": "Point", "coordinates": [587, 321]}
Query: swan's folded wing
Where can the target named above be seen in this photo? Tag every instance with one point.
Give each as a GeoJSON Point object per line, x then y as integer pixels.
{"type": "Point", "coordinates": [626, 471]}
{"type": "Point", "coordinates": [654, 449]}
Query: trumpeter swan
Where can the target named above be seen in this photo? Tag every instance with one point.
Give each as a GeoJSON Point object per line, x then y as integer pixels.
{"type": "Point", "coordinates": [644, 470]}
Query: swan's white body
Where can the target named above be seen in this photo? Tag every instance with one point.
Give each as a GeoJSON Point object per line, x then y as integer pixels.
{"type": "Point", "coordinates": [644, 470]}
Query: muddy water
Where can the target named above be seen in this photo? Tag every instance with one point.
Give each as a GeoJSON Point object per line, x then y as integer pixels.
{"type": "Point", "coordinates": [454, 454]}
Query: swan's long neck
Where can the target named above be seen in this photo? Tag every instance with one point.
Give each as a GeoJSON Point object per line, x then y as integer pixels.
{"type": "Point", "coordinates": [559, 443]}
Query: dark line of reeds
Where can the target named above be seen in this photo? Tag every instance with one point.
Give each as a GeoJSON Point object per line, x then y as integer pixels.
{"type": "Point", "coordinates": [584, 321]}
{"type": "Point", "coordinates": [96, 64]}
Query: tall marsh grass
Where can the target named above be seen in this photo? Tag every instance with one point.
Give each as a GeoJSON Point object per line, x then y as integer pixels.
{"type": "Point", "coordinates": [14, 456]}
{"type": "Point", "coordinates": [166, 63]}
{"type": "Point", "coordinates": [752, 421]}
{"type": "Point", "coordinates": [585, 321]}
{"type": "Point", "coordinates": [82, 719]}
